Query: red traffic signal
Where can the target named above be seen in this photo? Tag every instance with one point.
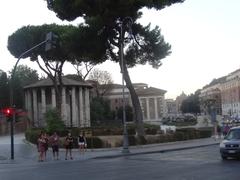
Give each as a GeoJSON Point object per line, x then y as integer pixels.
{"type": "Point", "coordinates": [8, 112]}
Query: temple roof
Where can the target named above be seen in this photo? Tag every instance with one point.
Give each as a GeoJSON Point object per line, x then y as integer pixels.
{"type": "Point", "coordinates": [66, 82]}
{"type": "Point", "coordinates": [150, 91]}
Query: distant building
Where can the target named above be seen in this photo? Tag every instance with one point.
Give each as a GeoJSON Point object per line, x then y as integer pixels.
{"type": "Point", "coordinates": [225, 92]}
{"type": "Point", "coordinates": [151, 99]}
{"type": "Point", "coordinates": [211, 94]}
{"type": "Point", "coordinates": [41, 96]}
{"type": "Point", "coordinates": [230, 90]}
{"type": "Point", "coordinates": [171, 107]}
{"type": "Point", "coordinates": [179, 100]}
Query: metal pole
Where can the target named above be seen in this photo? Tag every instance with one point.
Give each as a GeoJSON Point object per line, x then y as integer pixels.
{"type": "Point", "coordinates": [125, 133]}
{"type": "Point", "coordinates": [12, 96]}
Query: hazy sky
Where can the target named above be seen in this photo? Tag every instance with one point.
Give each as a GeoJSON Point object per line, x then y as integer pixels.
{"type": "Point", "coordinates": [204, 35]}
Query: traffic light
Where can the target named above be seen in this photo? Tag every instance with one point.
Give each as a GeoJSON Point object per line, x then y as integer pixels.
{"type": "Point", "coordinates": [51, 41]}
{"type": "Point", "coordinates": [8, 112]}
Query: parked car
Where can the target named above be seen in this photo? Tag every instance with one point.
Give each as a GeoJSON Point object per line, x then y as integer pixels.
{"type": "Point", "coordinates": [230, 146]}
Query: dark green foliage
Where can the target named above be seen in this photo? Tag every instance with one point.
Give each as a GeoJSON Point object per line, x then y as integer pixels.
{"type": "Point", "coordinates": [151, 131]}
{"type": "Point", "coordinates": [54, 122]}
{"type": "Point", "coordinates": [128, 111]}
{"type": "Point", "coordinates": [24, 75]}
{"type": "Point", "coordinates": [141, 140]}
{"type": "Point", "coordinates": [107, 9]}
{"type": "Point", "coordinates": [100, 111]}
{"type": "Point", "coordinates": [4, 90]}
{"type": "Point", "coordinates": [28, 36]}
{"type": "Point", "coordinates": [191, 104]}
{"type": "Point", "coordinates": [132, 140]}
{"type": "Point", "coordinates": [32, 135]}
{"type": "Point", "coordinates": [94, 142]}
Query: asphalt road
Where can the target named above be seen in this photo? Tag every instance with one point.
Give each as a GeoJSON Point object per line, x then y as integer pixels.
{"type": "Point", "coordinates": [193, 164]}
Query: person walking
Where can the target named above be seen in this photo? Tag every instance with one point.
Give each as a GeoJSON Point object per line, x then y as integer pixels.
{"type": "Point", "coordinates": [68, 146]}
{"type": "Point", "coordinates": [82, 143]}
{"type": "Point", "coordinates": [54, 140]}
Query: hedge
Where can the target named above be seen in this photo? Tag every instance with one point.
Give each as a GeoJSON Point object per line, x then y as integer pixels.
{"type": "Point", "coordinates": [95, 142]}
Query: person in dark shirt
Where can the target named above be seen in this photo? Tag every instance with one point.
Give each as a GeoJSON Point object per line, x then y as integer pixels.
{"type": "Point", "coordinates": [82, 143]}
{"type": "Point", "coordinates": [54, 140]}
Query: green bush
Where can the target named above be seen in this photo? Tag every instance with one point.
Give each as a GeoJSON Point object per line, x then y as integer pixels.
{"type": "Point", "coordinates": [141, 140]}
{"type": "Point", "coordinates": [151, 131]}
{"type": "Point", "coordinates": [32, 135]}
{"type": "Point", "coordinates": [131, 130]}
{"type": "Point", "coordinates": [94, 142]}
{"type": "Point", "coordinates": [54, 121]}
{"type": "Point", "coordinates": [205, 133]}
{"type": "Point", "coordinates": [179, 136]}
{"type": "Point", "coordinates": [132, 140]}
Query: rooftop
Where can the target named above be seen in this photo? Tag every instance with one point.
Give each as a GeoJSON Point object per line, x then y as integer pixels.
{"type": "Point", "coordinates": [66, 82]}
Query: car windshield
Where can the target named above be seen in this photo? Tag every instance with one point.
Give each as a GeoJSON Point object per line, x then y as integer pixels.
{"type": "Point", "coordinates": [233, 134]}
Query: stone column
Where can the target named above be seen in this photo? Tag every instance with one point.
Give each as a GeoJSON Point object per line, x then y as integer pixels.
{"type": "Point", "coordinates": [87, 108]}
{"type": "Point", "coordinates": [44, 108]}
{"type": "Point", "coordinates": [81, 107]}
{"type": "Point", "coordinates": [156, 108]}
{"type": "Point", "coordinates": [53, 97]}
{"type": "Point", "coordinates": [74, 108]}
{"type": "Point", "coordinates": [29, 105]}
{"type": "Point", "coordinates": [64, 109]}
{"type": "Point", "coordinates": [148, 111]}
{"type": "Point", "coordinates": [35, 108]}
{"type": "Point", "coordinates": [26, 99]}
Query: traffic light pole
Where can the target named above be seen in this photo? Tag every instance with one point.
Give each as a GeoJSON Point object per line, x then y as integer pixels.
{"type": "Point", "coordinates": [13, 119]}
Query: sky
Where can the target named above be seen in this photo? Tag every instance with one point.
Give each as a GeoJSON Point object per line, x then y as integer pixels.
{"type": "Point", "coordinates": [204, 35]}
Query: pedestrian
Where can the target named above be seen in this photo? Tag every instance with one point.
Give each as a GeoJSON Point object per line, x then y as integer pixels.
{"type": "Point", "coordinates": [226, 129]}
{"type": "Point", "coordinates": [41, 147]}
{"type": "Point", "coordinates": [54, 140]}
{"type": "Point", "coordinates": [68, 146]}
{"type": "Point", "coordinates": [82, 143]}
{"type": "Point", "coordinates": [45, 135]}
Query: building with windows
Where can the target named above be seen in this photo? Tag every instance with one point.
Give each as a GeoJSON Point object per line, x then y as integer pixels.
{"type": "Point", "coordinates": [41, 96]}
{"type": "Point", "coordinates": [225, 92]}
{"type": "Point", "coordinates": [211, 95]}
{"type": "Point", "coordinates": [151, 99]}
{"type": "Point", "coordinates": [230, 92]}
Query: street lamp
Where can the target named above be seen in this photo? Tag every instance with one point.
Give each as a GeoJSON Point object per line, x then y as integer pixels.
{"type": "Point", "coordinates": [48, 40]}
{"type": "Point", "coordinates": [128, 23]}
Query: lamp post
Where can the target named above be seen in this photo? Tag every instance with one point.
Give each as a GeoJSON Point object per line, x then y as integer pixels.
{"type": "Point", "coordinates": [12, 105]}
{"type": "Point", "coordinates": [128, 24]}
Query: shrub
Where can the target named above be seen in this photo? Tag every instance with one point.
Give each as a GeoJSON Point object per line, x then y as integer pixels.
{"type": "Point", "coordinates": [179, 136]}
{"type": "Point", "coordinates": [54, 122]}
{"type": "Point", "coordinates": [151, 131]}
{"type": "Point", "coordinates": [32, 135]}
{"type": "Point", "coordinates": [205, 133]}
{"type": "Point", "coordinates": [132, 140]}
{"type": "Point", "coordinates": [94, 142]}
{"type": "Point", "coordinates": [141, 140]}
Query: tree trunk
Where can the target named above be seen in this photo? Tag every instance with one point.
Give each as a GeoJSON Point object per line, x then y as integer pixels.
{"type": "Point", "coordinates": [58, 91]}
{"type": "Point", "coordinates": [136, 103]}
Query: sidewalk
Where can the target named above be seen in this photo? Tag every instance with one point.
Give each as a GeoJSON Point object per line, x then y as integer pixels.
{"type": "Point", "coordinates": [28, 153]}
